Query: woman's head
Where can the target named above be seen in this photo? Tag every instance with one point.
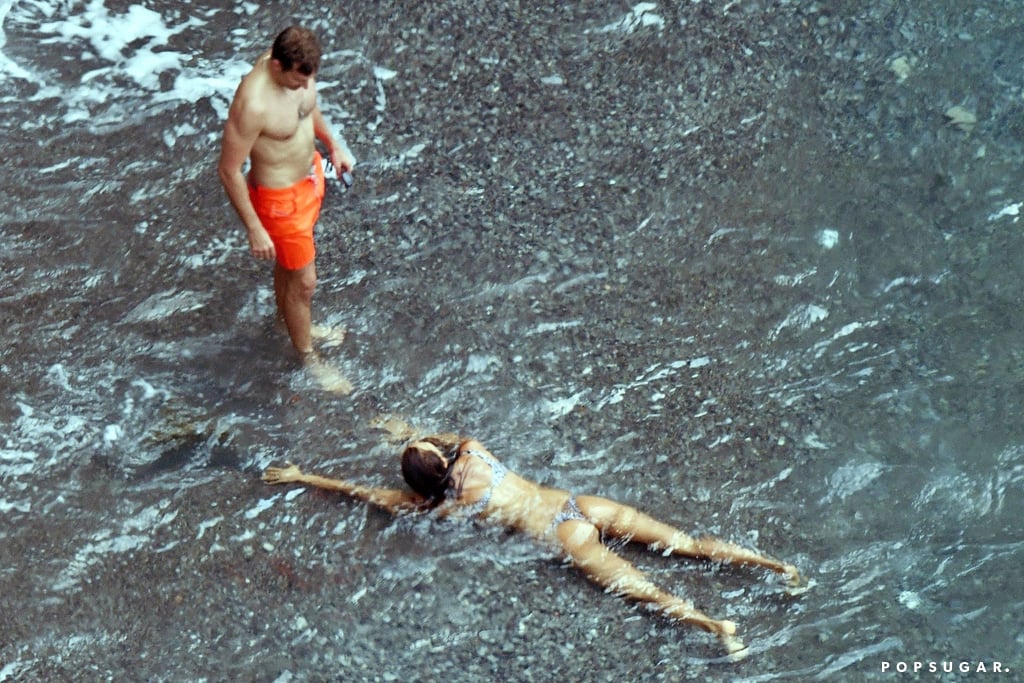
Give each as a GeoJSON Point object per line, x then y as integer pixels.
{"type": "Point", "coordinates": [426, 466]}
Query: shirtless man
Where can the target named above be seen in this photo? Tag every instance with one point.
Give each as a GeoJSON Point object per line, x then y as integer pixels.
{"type": "Point", "coordinates": [274, 121]}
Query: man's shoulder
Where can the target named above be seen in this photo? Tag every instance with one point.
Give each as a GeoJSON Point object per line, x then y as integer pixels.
{"type": "Point", "coordinates": [249, 98]}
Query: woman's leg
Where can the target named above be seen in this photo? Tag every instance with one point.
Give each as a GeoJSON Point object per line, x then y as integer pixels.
{"type": "Point", "coordinates": [623, 521]}
{"type": "Point", "coordinates": [582, 544]}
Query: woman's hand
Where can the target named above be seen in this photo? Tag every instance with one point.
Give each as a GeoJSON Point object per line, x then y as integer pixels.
{"type": "Point", "coordinates": [792, 575]}
{"type": "Point", "coordinates": [282, 475]}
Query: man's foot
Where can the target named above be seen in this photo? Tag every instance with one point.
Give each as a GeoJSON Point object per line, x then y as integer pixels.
{"type": "Point", "coordinates": [326, 375]}
{"type": "Point", "coordinates": [328, 336]}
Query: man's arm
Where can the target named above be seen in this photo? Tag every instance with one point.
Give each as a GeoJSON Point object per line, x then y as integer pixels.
{"type": "Point", "coordinates": [340, 158]}
{"type": "Point", "coordinates": [394, 500]}
{"type": "Point", "coordinates": [240, 133]}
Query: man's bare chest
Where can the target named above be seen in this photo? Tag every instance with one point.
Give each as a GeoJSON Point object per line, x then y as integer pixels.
{"type": "Point", "coordinates": [287, 115]}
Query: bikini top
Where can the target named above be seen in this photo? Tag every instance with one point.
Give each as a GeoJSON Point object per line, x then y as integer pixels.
{"type": "Point", "coordinates": [498, 472]}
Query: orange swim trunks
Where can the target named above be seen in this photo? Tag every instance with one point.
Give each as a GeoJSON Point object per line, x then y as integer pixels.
{"type": "Point", "coordinates": [289, 214]}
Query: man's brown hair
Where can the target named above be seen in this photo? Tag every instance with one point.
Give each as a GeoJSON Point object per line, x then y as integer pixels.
{"type": "Point", "coordinates": [297, 48]}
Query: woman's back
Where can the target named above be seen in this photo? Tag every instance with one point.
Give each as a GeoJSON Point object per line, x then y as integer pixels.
{"type": "Point", "coordinates": [484, 487]}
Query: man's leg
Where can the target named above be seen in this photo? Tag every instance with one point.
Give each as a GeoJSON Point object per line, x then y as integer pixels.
{"type": "Point", "coordinates": [293, 290]}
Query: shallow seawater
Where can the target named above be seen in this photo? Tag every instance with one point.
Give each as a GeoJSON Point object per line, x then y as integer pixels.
{"type": "Point", "coordinates": [730, 262]}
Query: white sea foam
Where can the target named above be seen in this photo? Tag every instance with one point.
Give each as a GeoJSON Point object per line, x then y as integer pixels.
{"type": "Point", "coordinates": [641, 15]}
{"type": "Point", "coordinates": [215, 252]}
{"type": "Point", "coordinates": [15, 667]}
{"type": "Point", "coordinates": [207, 524]}
{"type": "Point", "coordinates": [59, 376]}
{"type": "Point", "coordinates": [828, 238]}
{"type": "Point", "coordinates": [547, 328]}
{"type": "Point", "coordinates": [92, 553]}
{"type": "Point", "coordinates": [910, 599]}
{"type": "Point", "coordinates": [148, 390]}
{"type": "Point", "coordinates": [794, 280]}
{"type": "Point", "coordinates": [150, 517]}
{"type": "Point", "coordinates": [164, 304]}
{"type": "Point", "coordinates": [9, 68]}
{"type": "Point", "coordinates": [113, 45]}
{"type": "Point", "coordinates": [477, 363]}
{"type": "Point", "coordinates": [1010, 211]}
{"type": "Point", "coordinates": [850, 479]}
{"type": "Point", "coordinates": [583, 279]}
{"type": "Point", "coordinates": [122, 43]}
{"type": "Point", "coordinates": [16, 464]}
{"type": "Point", "coordinates": [654, 374]}
{"type": "Point", "coordinates": [846, 330]}
{"type": "Point", "coordinates": [261, 506]}
{"type": "Point", "coordinates": [15, 505]}
{"type": "Point", "coordinates": [719, 234]}
{"type": "Point", "coordinates": [112, 433]}
{"type": "Point", "coordinates": [51, 435]}
{"type": "Point", "coordinates": [563, 406]}
{"type": "Point", "coordinates": [801, 318]}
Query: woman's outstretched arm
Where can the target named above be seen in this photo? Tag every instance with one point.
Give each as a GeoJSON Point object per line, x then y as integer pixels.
{"type": "Point", "coordinates": [394, 500]}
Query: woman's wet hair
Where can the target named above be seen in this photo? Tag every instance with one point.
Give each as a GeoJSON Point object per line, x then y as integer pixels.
{"type": "Point", "coordinates": [428, 471]}
{"type": "Point", "coordinates": [297, 48]}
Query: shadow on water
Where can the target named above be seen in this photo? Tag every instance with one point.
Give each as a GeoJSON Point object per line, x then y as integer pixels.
{"type": "Point", "coordinates": [190, 450]}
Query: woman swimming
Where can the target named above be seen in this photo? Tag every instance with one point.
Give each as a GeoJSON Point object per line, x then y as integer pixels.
{"type": "Point", "coordinates": [462, 478]}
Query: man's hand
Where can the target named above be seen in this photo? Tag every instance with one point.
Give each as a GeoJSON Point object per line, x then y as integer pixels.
{"type": "Point", "coordinates": [260, 245]}
{"type": "Point", "coordinates": [341, 160]}
{"type": "Point", "coordinates": [282, 475]}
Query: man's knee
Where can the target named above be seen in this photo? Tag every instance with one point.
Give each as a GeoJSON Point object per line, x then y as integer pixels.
{"type": "Point", "coordinates": [308, 283]}
{"type": "Point", "coordinates": [302, 282]}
